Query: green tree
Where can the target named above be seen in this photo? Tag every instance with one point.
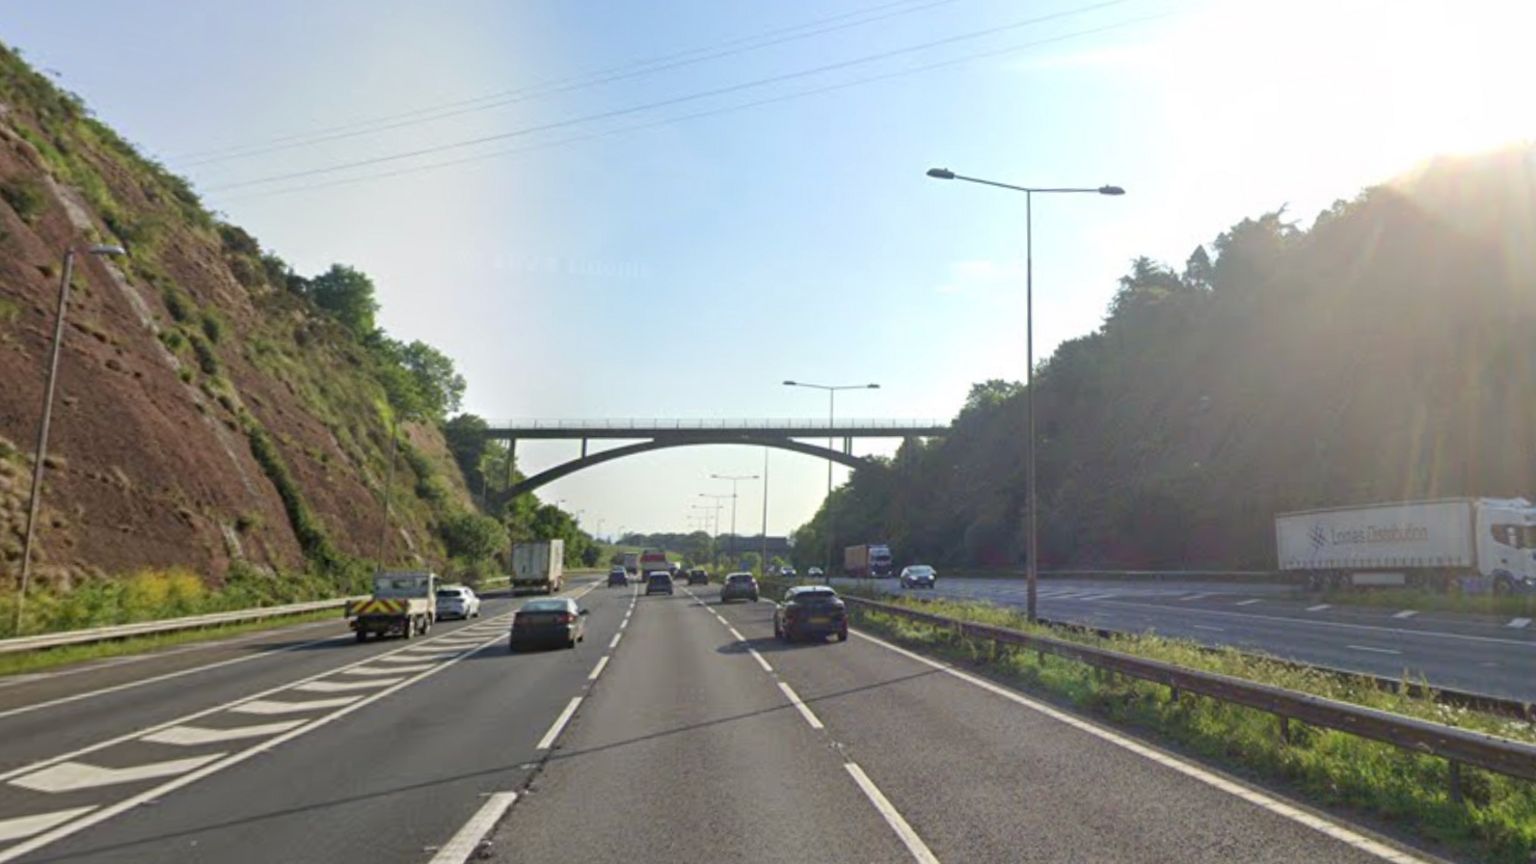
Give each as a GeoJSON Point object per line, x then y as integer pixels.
{"type": "Point", "coordinates": [348, 295]}
{"type": "Point", "coordinates": [440, 386]}
{"type": "Point", "coordinates": [472, 536]}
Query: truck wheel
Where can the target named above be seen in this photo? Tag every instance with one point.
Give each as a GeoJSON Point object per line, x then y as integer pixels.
{"type": "Point", "coordinates": [362, 635]}
{"type": "Point", "coordinates": [1503, 586]}
{"type": "Point", "coordinates": [409, 630]}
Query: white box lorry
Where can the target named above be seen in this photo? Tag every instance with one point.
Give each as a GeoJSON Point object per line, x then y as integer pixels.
{"type": "Point", "coordinates": [1476, 544]}
{"type": "Point", "coordinates": [868, 561]}
{"type": "Point", "coordinates": [538, 567]}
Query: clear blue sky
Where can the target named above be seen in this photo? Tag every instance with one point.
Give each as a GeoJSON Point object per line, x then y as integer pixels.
{"type": "Point", "coordinates": [686, 268]}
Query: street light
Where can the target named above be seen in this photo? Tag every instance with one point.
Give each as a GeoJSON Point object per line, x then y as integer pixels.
{"type": "Point", "coordinates": [734, 478]}
{"type": "Point", "coordinates": [41, 452]}
{"type": "Point", "coordinates": [1031, 563]}
{"type": "Point", "coordinates": [831, 420]}
{"type": "Point", "coordinates": [713, 542]}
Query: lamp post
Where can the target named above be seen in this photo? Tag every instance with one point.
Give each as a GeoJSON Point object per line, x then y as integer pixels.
{"type": "Point", "coordinates": [763, 565]}
{"type": "Point", "coordinates": [1031, 565]}
{"type": "Point", "coordinates": [714, 544]}
{"type": "Point", "coordinates": [831, 421]}
{"type": "Point", "coordinates": [41, 452]}
{"type": "Point", "coordinates": [734, 478]}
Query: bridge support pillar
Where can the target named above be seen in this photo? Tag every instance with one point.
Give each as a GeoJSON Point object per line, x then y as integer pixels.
{"type": "Point", "coordinates": [848, 446]}
{"type": "Point", "coordinates": [511, 459]}
{"type": "Point", "coordinates": [584, 448]}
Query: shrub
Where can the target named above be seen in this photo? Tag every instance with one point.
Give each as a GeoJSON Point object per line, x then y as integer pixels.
{"type": "Point", "coordinates": [178, 304]}
{"type": "Point", "coordinates": [213, 327]}
{"type": "Point", "coordinates": [472, 536]}
{"type": "Point", "coordinates": [207, 360]}
{"type": "Point", "coordinates": [25, 197]}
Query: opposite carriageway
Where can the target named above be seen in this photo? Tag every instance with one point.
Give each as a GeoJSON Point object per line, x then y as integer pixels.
{"type": "Point", "coordinates": [658, 434]}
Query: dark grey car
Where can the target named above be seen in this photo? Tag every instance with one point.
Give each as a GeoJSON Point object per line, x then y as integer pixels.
{"type": "Point", "coordinates": [813, 611]}
{"type": "Point", "coordinates": [552, 621]}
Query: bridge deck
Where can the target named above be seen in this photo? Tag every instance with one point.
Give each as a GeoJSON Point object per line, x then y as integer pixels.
{"type": "Point", "coordinates": [692, 428]}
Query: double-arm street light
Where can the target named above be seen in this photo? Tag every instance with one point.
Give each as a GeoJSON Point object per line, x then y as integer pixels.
{"type": "Point", "coordinates": [734, 478]}
{"type": "Point", "coordinates": [832, 390]}
{"type": "Point", "coordinates": [713, 540]}
{"type": "Point", "coordinates": [1031, 565]}
{"type": "Point", "coordinates": [99, 250]}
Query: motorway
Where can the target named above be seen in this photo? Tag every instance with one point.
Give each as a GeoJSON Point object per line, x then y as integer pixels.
{"type": "Point", "coordinates": [1480, 654]}
{"type": "Point", "coordinates": [680, 730]}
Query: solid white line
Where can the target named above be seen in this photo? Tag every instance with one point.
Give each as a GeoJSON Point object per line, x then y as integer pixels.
{"type": "Point", "coordinates": [1209, 627]}
{"type": "Point", "coordinates": [191, 736]}
{"type": "Point", "coordinates": [598, 669]}
{"type": "Point", "coordinates": [1373, 650]}
{"type": "Point", "coordinates": [1249, 602]}
{"type": "Point", "coordinates": [467, 841]}
{"type": "Point", "coordinates": [915, 845]}
{"type": "Point", "coordinates": [1406, 613]}
{"type": "Point", "coordinates": [800, 706]}
{"type": "Point", "coordinates": [1319, 607]}
{"type": "Point", "coordinates": [614, 643]}
{"type": "Point", "coordinates": [1252, 796]}
{"type": "Point", "coordinates": [74, 776]}
{"type": "Point", "coordinates": [548, 740]}
{"type": "Point", "coordinates": [345, 686]}
{"type": "Point", "coordinates": [760, 661]}
{"type": "Point", "coordinates": [163, 789]}
{"type": "Point", "coordinates": [1519, 623]}
{"type": "Point", "coordinates": [129, 685]}
{"type": "Point", "coordinates": [26, 826]}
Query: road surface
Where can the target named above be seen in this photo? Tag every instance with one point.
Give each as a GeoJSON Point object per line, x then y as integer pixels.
{"type": "Point", "coordinates": [678, 731]}
{"type": "Point", "coordinates": [1480, 654]}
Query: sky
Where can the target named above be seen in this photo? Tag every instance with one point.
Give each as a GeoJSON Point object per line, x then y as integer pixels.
{"type": "Point", "coordinates": [663, 209]}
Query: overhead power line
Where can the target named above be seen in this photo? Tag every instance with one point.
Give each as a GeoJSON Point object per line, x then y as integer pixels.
{"type": "Point", "coordinates": [666, 121]}
{"type": "Point", "coordinates": [675, 100]}
{"type": "Point", "coordinates": [623, 72]}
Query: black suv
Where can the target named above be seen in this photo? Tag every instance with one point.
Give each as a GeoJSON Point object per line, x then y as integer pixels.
{"type": "Point", "coordinates": [811, 610]}
{"type": "Point", "coordinates": [697, 576]}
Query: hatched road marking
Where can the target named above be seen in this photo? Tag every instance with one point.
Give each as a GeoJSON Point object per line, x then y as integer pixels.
{"type": "Point", "coordinates": [26, 826]}
{"type": "Point", "coordinates": [1519, 623]}
{"type": "Point", "coordinates": [191, 736]}
{"type": "Point", "coordinates": [345, 686]}
{"type": "Point", "coordinates": [73, 776]}
{"type": "Point", "coordinates": [1406, 613]}
{"type": "Point", "coordinates": [1249, 602]}
{"type": "Point", "coordinates": [272, 706]}
{"type": "Point", "coordinates": [1319, 607]}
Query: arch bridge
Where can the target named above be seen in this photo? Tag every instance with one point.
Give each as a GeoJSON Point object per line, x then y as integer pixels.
{"type": "Point", "coordinates": [652, 434]}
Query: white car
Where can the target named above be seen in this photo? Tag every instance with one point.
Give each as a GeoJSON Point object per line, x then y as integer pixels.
{"type": "Point", "coordinates": [918, 576]}
{"type": "Point", "coordinates": [457, 601]}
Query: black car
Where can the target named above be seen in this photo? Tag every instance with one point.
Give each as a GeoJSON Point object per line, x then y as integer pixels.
{"type": "Point", "coordinates": [618, 576]}
{"type": "Point", "coordinates": [552, 621]}
{"type": "Point", "coordinates": [810, 611]}
{"type": "Point", "coordinates": [739, 586]}
{"type": "Point", "coordinates": [658, 582]}
{"type": "Point", "coordinates": [697, 576]}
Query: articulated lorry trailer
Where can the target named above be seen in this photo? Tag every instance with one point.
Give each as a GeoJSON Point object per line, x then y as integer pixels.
{"type": "Point", "coordinates": [1471, 544]}
{"type": "Point", "coordinates": [868, 561]}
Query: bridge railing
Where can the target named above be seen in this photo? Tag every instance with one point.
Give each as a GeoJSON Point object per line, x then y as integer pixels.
{"type": "Point", "coordinates": [747, 424]}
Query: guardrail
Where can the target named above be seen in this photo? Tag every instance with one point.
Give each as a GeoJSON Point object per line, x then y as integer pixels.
{"type": "Point", "coordinates": [166, 625]}
{"type": "Point", "coordinates": [1457, 746]}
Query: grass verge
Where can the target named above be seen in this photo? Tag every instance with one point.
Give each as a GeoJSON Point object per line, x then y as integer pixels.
{"type": "Point", "coordinates": [1472, 604]}
{"type": "Point", "coordinates": [49, 658]}
{"type": "Point", "coordinates": [1495, 821]}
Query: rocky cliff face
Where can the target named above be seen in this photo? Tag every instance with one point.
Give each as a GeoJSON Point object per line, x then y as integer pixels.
{"type": "Point", "coordinates": [205, 415]}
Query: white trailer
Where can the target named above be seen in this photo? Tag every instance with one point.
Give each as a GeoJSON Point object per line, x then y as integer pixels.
{"type": "Point", "coordinates": [538, 567]}
{"type": "Point", "coordinates": [1479, 544]}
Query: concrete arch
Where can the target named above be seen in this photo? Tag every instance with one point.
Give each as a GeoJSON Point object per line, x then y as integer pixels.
{"type": "Point", "coordinates": [571, 467]}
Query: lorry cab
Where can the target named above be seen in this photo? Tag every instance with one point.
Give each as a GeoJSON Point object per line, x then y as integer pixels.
{"type": "Point", "coordinates": [1506, 544]}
